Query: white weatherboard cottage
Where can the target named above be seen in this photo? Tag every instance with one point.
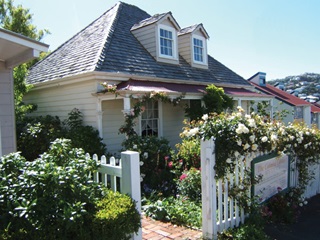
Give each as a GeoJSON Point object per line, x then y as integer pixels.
{"type": "Point", "coordinates": [14, 50]}
{"type": "Point", "coordinates": [138, 53]}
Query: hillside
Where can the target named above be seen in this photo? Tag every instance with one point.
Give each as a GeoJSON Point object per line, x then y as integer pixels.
{"type": "Point", "coordinates": [306, 86]}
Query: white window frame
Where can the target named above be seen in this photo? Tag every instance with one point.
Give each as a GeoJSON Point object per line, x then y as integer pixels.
{"type": "Point", "coordinates": [204, 50]}
{"type": "Point", "coordinates": [174, 42]}
{"type": "Point", "coordinates": [159, 120]}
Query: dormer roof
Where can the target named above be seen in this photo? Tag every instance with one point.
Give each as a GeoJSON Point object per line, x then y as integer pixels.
{"type": "Point", "coordinates": [194, 28]}
{"type": "Point", "coordinates": [156, 18]}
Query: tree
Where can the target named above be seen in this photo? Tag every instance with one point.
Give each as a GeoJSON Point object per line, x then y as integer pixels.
{"type": "Point", "coordinates": [18, 19]}
{"type": "Point", "coordinates": [215, 100]}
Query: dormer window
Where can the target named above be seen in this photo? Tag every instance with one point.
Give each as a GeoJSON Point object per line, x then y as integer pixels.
{"type": "Point", "coordinates": [167, 42]}
{"type": "Point", "coordinates": [193, 45]}
{"type": "Point", "coordinates": [198, 50]}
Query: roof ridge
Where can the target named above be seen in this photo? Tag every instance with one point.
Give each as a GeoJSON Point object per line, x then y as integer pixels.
{"type": "Point", "coordinates": [99, 60]}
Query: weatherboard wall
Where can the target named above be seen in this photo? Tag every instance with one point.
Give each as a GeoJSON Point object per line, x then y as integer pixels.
{"type": "Point", "coordinates": [62, 99]}
{"type": "Point", "coordinates": [7, 126]}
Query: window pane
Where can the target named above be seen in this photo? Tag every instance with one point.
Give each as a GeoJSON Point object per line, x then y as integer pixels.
{"type": "Point", "coordinates": [166, 42]}
{"type": "Point", "coordinates": [198, 50]}
{"type": "Point", "coordinates": [149, 119]}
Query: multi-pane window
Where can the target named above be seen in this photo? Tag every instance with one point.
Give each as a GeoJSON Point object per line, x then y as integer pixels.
{"type": "Point", "coordinates": [198, 50]}
{"type": "Point", "coordinates": [166, 42]}
{"type": "Point", "coordinates": [150, 119]}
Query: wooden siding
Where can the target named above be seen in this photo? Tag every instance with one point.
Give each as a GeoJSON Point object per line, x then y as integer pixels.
{"type": "Point", "coordinates": [147, 37]}
{"type": "Point", "coordinates": [60, 100]}
{"type": "Point", "coordinates": [173, 117]}
{"type": "Point", "coordinates": [7, 120]}
{"type": "Point", "coordinates": [112, 119]}
{"type": "Point", "coordinates": [185, 47]}
{"type": "Point", "coordinates": [279, 106]}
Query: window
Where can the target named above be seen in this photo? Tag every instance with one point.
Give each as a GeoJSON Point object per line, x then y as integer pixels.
{"type": "Point", "coordinates": [150, 119]}
{"type": "Point", "coordinates": [262, 81]}
{"type": "Point", "coordinates": [198, 50]}
{"type": "Point", "coordinates": [298, 113]}
{"type": "Point", "coordinates": [167, 42]}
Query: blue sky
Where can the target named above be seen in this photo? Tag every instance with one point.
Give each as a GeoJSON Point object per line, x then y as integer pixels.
{"type": "Point", "coordinates": [279, 37]}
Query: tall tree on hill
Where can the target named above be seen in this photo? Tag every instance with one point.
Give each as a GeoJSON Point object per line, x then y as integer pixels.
{"type": "Point", "coordinates": [19, 19]}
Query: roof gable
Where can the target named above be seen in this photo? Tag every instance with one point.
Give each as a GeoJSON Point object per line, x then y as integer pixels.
{"type": "Point", "coordinates": [194, 28]}
{"type": "Point", "coordinates": [158, 18]}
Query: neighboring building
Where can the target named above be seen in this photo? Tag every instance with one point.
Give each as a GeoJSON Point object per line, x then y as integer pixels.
{"type": "Point", "coordinates": [298, 109]}
{"type": "Point", "coordinates": [14, 50]}
{"type": "Point", "coordinates": [137, 53]}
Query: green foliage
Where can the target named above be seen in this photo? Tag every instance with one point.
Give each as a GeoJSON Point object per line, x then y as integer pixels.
{"type": "Point", "coordinates": [216, 101]}
{"type": "Point", "coordinates": [54, 197]}
{"type": "Point", "coordinates": [252, 229]}
{"type": "Point", "coordinates": [179, 211]}
{"type": "Point", "coordinates": [35, 134]}
{"type": "Point", "coordinates": [244, 232]}
{"type": "Point", "coordinates": [85, 137]}
{"type": "Point", "coordinates": [116, 216]}
{"type": "Point", "coordinates": [154, 160]}
{"type": "Point", "coordinates": [189, 185]}
{"type": "Point", "coordinates": [19, 20]}
{"type": "Point", "coordinates": [50, 197]}
{"type": "Point", "coordinates": [284, 207]}
{"type": "Point", "coordinates": [189, 153]}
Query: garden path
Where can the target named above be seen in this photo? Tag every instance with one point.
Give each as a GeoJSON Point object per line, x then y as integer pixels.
{"type": "Point", "coordinates": [156, 230]}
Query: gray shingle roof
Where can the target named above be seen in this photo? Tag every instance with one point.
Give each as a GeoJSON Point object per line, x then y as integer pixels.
{"type": "Point", "coordinates": [190, 29]}
{"type": "Point", "coordinates": [108, 45]}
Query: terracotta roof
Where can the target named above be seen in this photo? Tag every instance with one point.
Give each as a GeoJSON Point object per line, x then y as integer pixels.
{"type": "Point", "coordinates": [149, 86]}
{"type": "Point", "coordinates": [281, 95]}
{"type": "Point", "coordinates": [315, 108]}
{"type": "Point", "coordinates": [107, 45]}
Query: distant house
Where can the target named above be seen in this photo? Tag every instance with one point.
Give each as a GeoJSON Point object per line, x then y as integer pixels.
{"type": "Point", "coordinates": [14, 50]}
{"type": "Point", "coordinates": [137, 53]}
{"type": "Point", "coordinates": [298, 109]}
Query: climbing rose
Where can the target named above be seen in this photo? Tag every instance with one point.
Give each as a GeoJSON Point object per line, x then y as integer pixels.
{"type": "Point", "coordinates": [183, 176]}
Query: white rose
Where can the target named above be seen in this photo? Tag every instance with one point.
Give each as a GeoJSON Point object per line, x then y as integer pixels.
{"type": "Point", "coordinates": [264, 139]}
{"type": "Point", "coordinates": [205, 117]}
{"type": "Point", "coordinates": [254, 147]}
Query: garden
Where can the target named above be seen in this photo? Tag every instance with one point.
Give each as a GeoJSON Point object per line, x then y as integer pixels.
{"type": "Point", "coordinates": [51, 167]}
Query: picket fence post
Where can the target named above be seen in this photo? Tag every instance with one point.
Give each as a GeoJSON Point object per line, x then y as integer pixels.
{"type": "Point", "coordinates": [0, 141]}
{"type": "Point", "coordinates": [208, 186]}
{"type": "Point", "coordinates": [130, 181]}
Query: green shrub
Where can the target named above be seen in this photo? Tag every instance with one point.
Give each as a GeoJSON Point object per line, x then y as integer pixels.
{"type": "Point", "coordinates": [189, 185]}
{"type": "Point", "coordinates": [54, 197]}
{"type": "Point", "coordinates": [116, 217]}
{"type": "Point", "coordinates": [188, 153]}
{"type": "Point", "coordinates": [35, 134]}
{"type": "Point", "coordinates": [154, 160]}
{"type": "Point", "coordinates": [252, 229]}
{"type": "Point", "coordinates": [179, 211]}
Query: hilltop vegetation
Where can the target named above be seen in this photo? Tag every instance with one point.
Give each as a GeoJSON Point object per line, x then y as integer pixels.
{"type": "Point", "coordinates": [300, 85]}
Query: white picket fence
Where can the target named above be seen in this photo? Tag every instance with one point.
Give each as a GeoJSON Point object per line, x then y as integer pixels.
{"type": "Point", "coordinates": [219, 211]}
{"type": "Point", "coordinates": [121, 175]}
